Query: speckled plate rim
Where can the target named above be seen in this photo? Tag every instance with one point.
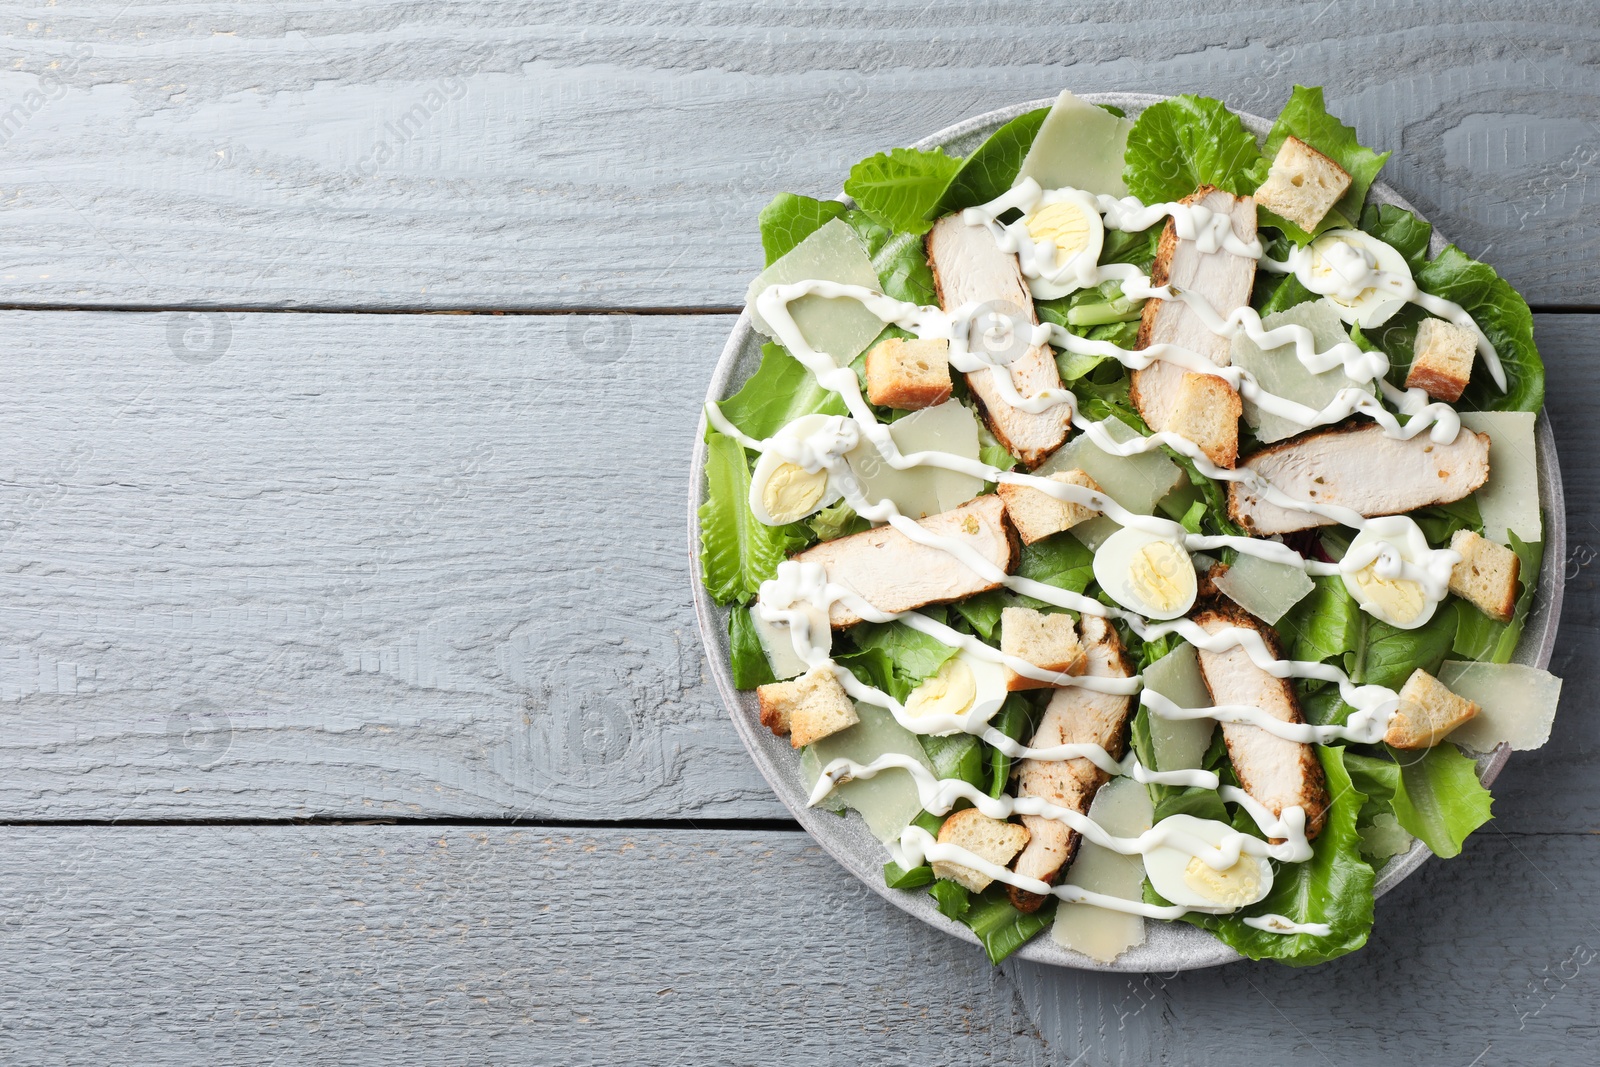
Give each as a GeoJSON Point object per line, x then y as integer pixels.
{"type": "Point", "coordinates": [1169, 946]}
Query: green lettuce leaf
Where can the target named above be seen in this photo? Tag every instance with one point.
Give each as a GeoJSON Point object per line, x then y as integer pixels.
{"type": "Point", "coordinates": [897, 877]}
{"type": "Point", "coordinates": [1334, 886]}
{"type": "Point", "coordinates": [737, 552]}
{"type": "Point", "coordinates": [780, 391]}
{"type": "Point", "coordinates": [1494, 305]}
{"type": "Point", "coordinates": [837, 520]}
{"type": "Point", "coordinates": [1180, 144]}
{"type": "Point", "coordinates": [958, 756]}
{"type": "Point", "coordinates": [953, 898]}
{"type": "Point", "coordinates": [1479, 637]}
{"type": "Point", "coordinates": [915, 655]}
{"type": "Point", "coordinates": [1434, 793]}
{"type": "Point", "coordinates": [1013, 720]}
{"type": "Point", "coordinates": [899, 259]}
{"type": "Point", "coordinates": [991, 169]}
{"type": "Point", "coordinates": [790, 219]}
{"type": "Point", "coordinates": [1305, 117]}
{"type": "Point", "coordinates": [1388, 654]}
{"type": "Point", "coordinates": [982, 612]}
{"type": "Point", "coordinates": [747, 658]}
{"type": "Point", "coordinates": [901, 187]}
{"type": "Point", "coordinates": [1060, 560]}
{"type": "Point", "coordinates": [1000, 926]}
{"type": "Point", "coordinates": [1325, 625]}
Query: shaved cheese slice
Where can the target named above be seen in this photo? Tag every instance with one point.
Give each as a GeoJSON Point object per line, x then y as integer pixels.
{"type": "Point", "coordinates": [921, 491]}
{"type": "Point", "coordinates": [841, 327]}
{"type": "Point", "coordinates": [1079, 146]}
{"type": "Point", "coordinates": [1280, 372]}
{"type": "Point", "coordinates": [1136, 482]}
{"type": "Point", "coordinates": [778, 643]}
{"type": "Point", "coordinates": [1180, 744]}
{"type": "Point", "coordinates": [1123, 807]}
{"type": "Point", "coordinates": [888, 802]}
{"type": "Point", "coordinates": [1509, 500]}
{"type": "Point", "coordinates": [1516, 703]}
{"type": "Point", "coordinates": [1265, 589]}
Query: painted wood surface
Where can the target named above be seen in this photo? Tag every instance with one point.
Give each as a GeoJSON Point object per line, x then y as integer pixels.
{"type": "Point", "coordinates": [464, 945]}
{"type": "Point", "coordinates": [281, 565]}
{"type": "Point", "coordinates": [554, 155]}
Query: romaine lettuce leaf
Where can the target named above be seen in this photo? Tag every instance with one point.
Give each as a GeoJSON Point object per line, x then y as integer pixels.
{"type": "Point", "coordinates": [958, 756]}
{"type": "Point", "coordinates": [1060, 560]}
{"type": "Point", "coordinates": [737, 552]}
{"type": "Point", "coordinates": [790, 219]}
{"type": "Point", "coordinates": [780, 391]}
{"type": "Point", "coordinates": [901, 187]}
{"type": "Point", "coordinates": [1180, 144]}
{"type": "Point", "coordinates": [837, 520]}
{"type": "Point", "coordinates": [1325, 625]}
{"type": "Point", "coordinates": [746, 656]}
{"type": "Point", "coordinates": [1334, 886]}
{"type": "Point", "coordinates": [1387, 654]}
{"type": "Point", "coordinates": [1305, 117]}
{"type": "Point", "coordinates": [915, 655]}
{"type": "Point", "coordinates": [1494, 305]}
{"type": "Point", "coordinates": [991, 169]}
{"type": "Point", "coordinates": [1000, 926]}
{"type": "Point", "coordinates": [899, 259]}
{"type": "Point", "coordinates": [1434, 793]}
{"type": "Point", "coordinates": [982, 612]}
{"type": "Point", "coordinates": [1013, 720]}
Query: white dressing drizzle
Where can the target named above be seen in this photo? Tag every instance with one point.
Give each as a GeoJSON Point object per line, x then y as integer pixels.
{"type": "Point", "coordinates": [800, 585]}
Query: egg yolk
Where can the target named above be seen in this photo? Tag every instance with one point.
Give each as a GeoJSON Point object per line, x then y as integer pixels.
{"type": "Point", "coordinates": [1064, 224]}
{"type": "Point", "coordinates": [1397, 598]}
{"type": "Point", "coordinates": [1234, 887]}
{"type": "Point", "coordinates": [950, 692]}
{"type": "Point", "coordinates": [1156, 575]}
{"type": "Point", "coordinates": [793, 492]}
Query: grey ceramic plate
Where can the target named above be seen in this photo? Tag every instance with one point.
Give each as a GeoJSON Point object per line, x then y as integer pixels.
{"type": "Point", "coordinates": [1169, 946]}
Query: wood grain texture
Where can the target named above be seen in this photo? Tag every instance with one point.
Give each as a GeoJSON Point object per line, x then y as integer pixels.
{"type": "Point", "coordinates": [552, 155]}
{"type": "Point", "coordinates": [286, 565]}
{"type": "Point", "coordinates": [459, 945]}
{"type": "Point", "coordinates": [355, 565]}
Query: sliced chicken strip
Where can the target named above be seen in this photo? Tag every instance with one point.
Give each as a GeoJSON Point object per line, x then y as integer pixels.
{"type": "Point", "coordinates": [1225, 280]}
{"type": "Point", "coordinates": [894, 573]}
{"type": "Point", "coordinates": [1278, 773]}
{"type": "Point", "coordinates": [968, 267]}
{"type": "Point", "coordinates": [1073, 716]}
{"type": "Point", "coordinates": [1358, 466]}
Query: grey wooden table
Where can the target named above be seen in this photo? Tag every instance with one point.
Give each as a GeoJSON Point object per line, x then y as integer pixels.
{"type": "Point", "coordinates": [351, 706]}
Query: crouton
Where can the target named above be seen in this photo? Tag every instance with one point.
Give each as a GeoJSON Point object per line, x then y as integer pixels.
{"type": "Point", "coordinates": [1303, 184]}
{"type": "Point", "coordinates": [1206, 411]}
{"type": "Point", "coordinates": [1037, 515]}
{"type": "Point", "coordinates": [1442, 365]}
{"type": "Point", "coordinates": [1428, 712]}
{"type": "Point", "coordinates": [985, 838]}
{"type": "Point", "coordinates": [909, 374]}
{"type": "Point", "coordinates": [1487, 575]}
{"type": "Point", "coordinates": [809, 708]}
{"type": "Point", "coordinates": [1047, 641]}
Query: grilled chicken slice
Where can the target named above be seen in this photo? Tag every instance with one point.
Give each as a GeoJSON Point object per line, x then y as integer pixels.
{"type": "Point", "coordinates": [968, 267]}
{"type": "Point", "coordinates": [1224, 280]}
{"type": "Point", "coordinates": [1073, 716]}
{"type": "Point", "coordinates": [1357, 466]}
{"type": "Point", "coordinates": [894, 573]}
{"type": "Point", "coordinates": [1278, 773]}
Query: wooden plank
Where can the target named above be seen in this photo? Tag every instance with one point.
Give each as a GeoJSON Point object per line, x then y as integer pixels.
{"type": "Point", "coordinates": [458, 945]}
{"type": "Point", "coordinates": [393, 565]}
{"type": "Point", "coordinates": [424, 565]}
{"type": "Point", "coordinates": [537, 155]}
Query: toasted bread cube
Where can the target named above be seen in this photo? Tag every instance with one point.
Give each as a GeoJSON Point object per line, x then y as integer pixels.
{"type": "Point", "coordinates": [989, 839]}
{"type": "Point", "coordinates": [1428, 712]}
{"type": "Point", "coordinates": [1442, 365]}
{"type": "Point", "coordinates": [909, 374]}
{"type": "Point", "coordinates": [1207, 412]}
{"type": "Point", "coordinates": [809, 708]}
{"type": "Point", "coordinates": [1049, 642]}
{"type": "Point", "coordinates": [1037, 514]}
{"type": "Point", "coordinates": [1486, 577]}
{"type": "Point", "coordinates": [1303, 184]}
